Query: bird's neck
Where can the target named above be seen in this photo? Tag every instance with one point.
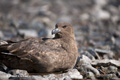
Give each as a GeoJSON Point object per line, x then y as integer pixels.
{"type": "Point", "coordinates": [69, 42]}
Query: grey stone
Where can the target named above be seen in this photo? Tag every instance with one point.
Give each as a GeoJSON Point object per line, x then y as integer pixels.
{"type": "Point", "coordinates": [105, 52]}
{"type": "Point", "coordinates": [112, 69]}
{"type": "Point", "coordinates": [35, 77]}
{"type": "Point", "coordinates": [94, 53]}
{"type": "Point", "coordinates": [74, 74]}
{"type": "Point", "coordinates": [1, 34]}
{"type": "Point", "coordinates": [90, 75]}
{"type": "Point", "coordinates": [3, 42]}
{"type": "Point", "coordinates": [4, 76]}
{"type": "Point", "coordinates": [107, 77]}
{"type": "Point", "coordinates": [106, 62]}
{"type": "Point", "coordinates": [18, 72]}
{"type": "Point", "coordinates": [28, 33]}
{"type": "Point", "coordinates": [3, 68]}
{"type": "Point", "coordinates": [118, 74]}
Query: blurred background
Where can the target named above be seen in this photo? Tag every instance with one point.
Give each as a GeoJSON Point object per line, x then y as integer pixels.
{"type": "Point", "coordinates": [96, 23]}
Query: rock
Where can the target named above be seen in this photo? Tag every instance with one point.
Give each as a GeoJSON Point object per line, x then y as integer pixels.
{"type": "Point", "coordinates": [118, 74]}
{"type": "Point", "coordinates": [86, 53]}
{"type": "Point", "coordinates": [70, 75]}
{"type": "Point", "coordinates": [107, 77]}
{"type": "Point", "coordinates": [4, 76]}
{"type": "Point", "coordinates": [67, 78]}
{"type": "Point", "coordinates": [84, 16]}
{"type": "Point", "coordinates": [3, 42]}
{"type": "Point", "coordinates": [102, 52]}
{"type": "Point", "coordinates": [18, 72]}
{"type": "Point", "coordinates": [106, 54]}
{"type": "Point", "coordinates": [3, 68]}
{"type": "Point", "coordinates": [17, 77]}
{"type": "Point", "coordinates": [35, 77]}
{"type": "Point", "coordinates": [90, 75]}
{"type": "Point", "coordinates": [1, 34]}
{"type": "Point", "coordinates": [94, 53]}
{"type": "Point", "coordinates": [90, 68]}
{"type": "Point", "coordinates": [84, 65]}
{"type": "Point", "coordinates": [112, 69]}
{"type": "Point", "coordinates": [64, 19]}
{"type": "Point", "coordinates": [106, 62]}
{"type": "Point", "coordinates": [49, 76]}
{"type": "Point", "coordinates": [74, 74]}
{"type": "Point", "coordinates": [101, 3]}
{"type": "Point", "coordinates": [28, 32]}
{"type": "Point", "coordinates": [100, 14]}
{"type": "Point", "coordinates": [84, 60]}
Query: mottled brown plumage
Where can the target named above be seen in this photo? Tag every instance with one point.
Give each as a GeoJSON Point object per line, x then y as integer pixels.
{"type": "Point", "coordinates": [43, 54]}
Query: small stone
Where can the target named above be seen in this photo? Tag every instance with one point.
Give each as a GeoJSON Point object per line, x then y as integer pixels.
{"type": "Point", "coordinates": [118, 74]}
{"type": "Point", "coordinates": [84, 16]}
{"type": "Point", "coordinates": [106, 77]}
{"type": "Point", "coordinates": [112, 69]}
{"type": "Point", "coordinates": [3, 42]}
{"type": "Point", "coordinates": [28, 33]}
{"type": "Point", "coordinates": [49, 76]}
{"type": "Point", "coordinates": [89, 67]}
{"type": "Point", "coordinates": [35, 77]}
{"type": "Point", "coordinates": [94, 53]}
{"type": "Point", "coordinates": [1, 34]}
{"type": "Point", "coordinates": [90, 75]}
{"type": "Point", "coordinates": [3, 68]}
{"type": "Point", "coordinates": [17, 77]}
{"type": "Point", "coordinates": [18, 72]}
{"type": "Point", "coordinates": [67, 78]}
{"type": "Point", "coordinates": [4, 76]}
{"type": "Point", "coordinates": [100, 14]}
{"type": "Point", "coordinates": [102, 52]}
{"type": "Point", "coordinates": [106, 62]}
{"type": "Point", "coordinates": [74, 74]}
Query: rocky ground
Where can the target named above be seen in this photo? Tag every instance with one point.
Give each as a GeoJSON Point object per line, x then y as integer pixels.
{"type": "Point", "coordinates": [96, 25]}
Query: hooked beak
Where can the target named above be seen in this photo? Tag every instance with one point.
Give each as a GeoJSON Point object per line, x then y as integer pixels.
{"type": "Point", "coordinates": [54, 31]}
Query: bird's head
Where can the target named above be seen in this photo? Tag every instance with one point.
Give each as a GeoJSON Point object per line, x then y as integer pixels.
{"type": "Point", "coordinates": [62, 29]}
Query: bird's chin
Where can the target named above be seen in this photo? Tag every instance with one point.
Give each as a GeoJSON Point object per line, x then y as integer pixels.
{"type": "Point", "coordinates": [57, 35]}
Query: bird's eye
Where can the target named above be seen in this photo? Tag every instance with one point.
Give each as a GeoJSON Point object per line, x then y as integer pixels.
{"type": "Point", "coordinates": [64, 26]}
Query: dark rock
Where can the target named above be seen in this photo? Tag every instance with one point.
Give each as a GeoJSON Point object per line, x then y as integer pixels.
{"type": "Point", "coordinates": [118, 74]}
{"type": "Point", "coordinates": [112, 69]}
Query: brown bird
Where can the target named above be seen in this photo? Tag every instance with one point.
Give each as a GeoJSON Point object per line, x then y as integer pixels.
{"type": "Point", "coordinates": [42, 54]}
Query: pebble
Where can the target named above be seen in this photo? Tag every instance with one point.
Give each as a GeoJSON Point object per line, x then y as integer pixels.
{"type": "Point", "coordinates": [112, 69]}
{"type": "Point", "coordinates": [74, 74]}
{"type": "Point", "coordinates": [90, 75]}
{"type": "Point", "coordinates": [1, 34]}
{"type": "Point", "coordinates": [4, 76]}
{"type": "Point", "coordinates": [118, 74]}
{"type": "Point", "coordinates": [18, 72]}
{"type": "Point", "coordinates": [28, 32]}
{"type": "Point", "coordinates": [3, 68]}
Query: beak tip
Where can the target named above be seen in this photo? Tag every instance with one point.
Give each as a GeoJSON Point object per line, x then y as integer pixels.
{"type": "Point", "coordinates": [54, 31]}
